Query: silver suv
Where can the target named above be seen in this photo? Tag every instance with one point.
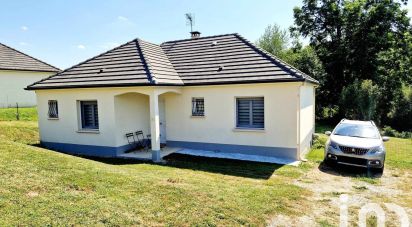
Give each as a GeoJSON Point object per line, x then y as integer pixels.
{"type": "Point", "coordinates": [356, 143]}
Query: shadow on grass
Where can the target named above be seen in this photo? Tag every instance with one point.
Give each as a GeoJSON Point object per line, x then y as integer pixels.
{"type": "Point", "coordinates": [231, 167]}
{"type": "Point", "coordinates": [349, 171]}
{"type": "Point", "coordinates": [256, 170]}
{"type": "Point", "coordinates": [249, 169]}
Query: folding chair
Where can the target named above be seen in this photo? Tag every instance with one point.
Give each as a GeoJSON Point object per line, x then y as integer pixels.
{"type": "Point", "coordinates": [149, 140]}
{"type": "Point", "coordinates": [140, 139]}
{"type": "Point", "coordinates": [131, 140]}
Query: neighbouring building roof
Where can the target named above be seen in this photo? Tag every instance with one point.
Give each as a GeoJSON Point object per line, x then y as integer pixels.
{"type": "Point", "coordinates": [222, 59]}
{"type": "Point", "coordinates": [11, 59]}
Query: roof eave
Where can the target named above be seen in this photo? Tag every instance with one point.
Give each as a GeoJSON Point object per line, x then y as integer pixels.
{"type": "Point", "coordinates": [31, 70]}
{"type": "Point", "coordinates": [168, 84]}
{"type": "Point", "coordinates": [31, 88]}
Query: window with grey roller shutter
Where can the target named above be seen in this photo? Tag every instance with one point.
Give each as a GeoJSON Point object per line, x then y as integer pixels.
{"type": "Point", "coordinates": [250, 112]}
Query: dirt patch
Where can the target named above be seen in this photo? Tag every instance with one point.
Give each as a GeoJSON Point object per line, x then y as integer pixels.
{"type": "Point", "coordinates": [329, 184]}
{"type": "Point", "coordinates": [32, 194]}
{"type": "Point", "coordinates": [285, 221]}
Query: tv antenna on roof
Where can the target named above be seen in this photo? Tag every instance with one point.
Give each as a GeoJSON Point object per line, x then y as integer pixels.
{"type": "Point", "coordinates": [190, 20]}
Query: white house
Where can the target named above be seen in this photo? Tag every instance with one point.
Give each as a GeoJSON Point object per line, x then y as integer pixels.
{"type": "Point", "coordinates": [17, 70]}
{"type": "Point", "coordinates": [218, 93]}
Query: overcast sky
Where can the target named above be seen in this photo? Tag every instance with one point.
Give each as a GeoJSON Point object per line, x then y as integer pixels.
{"type": "Point", "coordinates": [64, 33]}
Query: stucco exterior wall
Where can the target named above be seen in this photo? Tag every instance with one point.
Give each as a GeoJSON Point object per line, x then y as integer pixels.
{"type": "Point", "coordinates": [66, 129]}
{"type": "Point", "coordinates": [307, 117]}
{"type": "Point", "coordinates": [219, 124]}
{"type": "Point", "coordinates": [132, 113]}
{"type": "Point", "coordinates": [123, 110]}
{"type": "Point", "coordinates": [12, 84]}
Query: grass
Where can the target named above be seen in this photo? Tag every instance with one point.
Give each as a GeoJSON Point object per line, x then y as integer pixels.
{"type": "Point", "coordinates": [25, 132]}
{"type": "Point", "coordinates": [42, 187]}
{"type": "Point", "coordinates": [399, 153]}
{"type": "Point", "coordinates": [25, 114]}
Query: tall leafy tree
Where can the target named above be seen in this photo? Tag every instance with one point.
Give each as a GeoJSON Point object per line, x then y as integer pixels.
{"type": "Point", "coordinates": [288, 47]}
{"type": "Point", "coordinates": [357, 39]}
{"type": "Point", "coordinates": [274, 40]}
{"type": "Point", "coordinates": [305, 59]}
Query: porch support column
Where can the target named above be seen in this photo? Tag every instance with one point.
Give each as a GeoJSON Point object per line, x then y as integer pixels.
{"type": "Point", "coordinates": [155, 126]}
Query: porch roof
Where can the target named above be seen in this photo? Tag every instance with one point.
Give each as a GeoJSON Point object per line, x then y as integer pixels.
{"type": "Point", "coordinates": [221, 59]}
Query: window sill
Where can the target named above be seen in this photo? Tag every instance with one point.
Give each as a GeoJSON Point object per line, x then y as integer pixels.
{"type": "Point", "coordinates": [88, 131]}
{"type": "Point", "coordinates": [197, 116]}
{"type": "Point", "coordinates": [249, 129]}
{"type": "Point", "coordinates": [53, 118]}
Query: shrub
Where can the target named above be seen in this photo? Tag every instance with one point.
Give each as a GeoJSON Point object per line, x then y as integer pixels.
{"type": "Point", "coordinates": [388, 131]}
{"type": "Point", "coordinates": [318, 142]}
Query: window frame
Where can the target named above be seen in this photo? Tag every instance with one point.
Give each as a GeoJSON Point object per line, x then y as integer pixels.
{"type": "Point", "coordinates": [49, 112]}
{"type": "Point", "coordinates": [82, 126]}
{"type": "Point", "coordinates": [196, 114]}
{"type": "Point", "coordinates": [251, 125]}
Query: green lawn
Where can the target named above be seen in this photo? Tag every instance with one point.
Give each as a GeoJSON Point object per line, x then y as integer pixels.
{"type": "Point", "coordinates": [43, 187]}
{"type": "Point", "coordinates": [25, 114]}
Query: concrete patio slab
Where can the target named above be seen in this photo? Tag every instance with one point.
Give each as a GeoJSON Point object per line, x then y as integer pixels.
{"type": "Point", "coordinates": [146, 155]}
{"type": "Point", "coordinates": [236, 156]}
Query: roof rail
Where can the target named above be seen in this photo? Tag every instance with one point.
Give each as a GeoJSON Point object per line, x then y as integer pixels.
{"type": "Point", "coordinates": [372, 122]}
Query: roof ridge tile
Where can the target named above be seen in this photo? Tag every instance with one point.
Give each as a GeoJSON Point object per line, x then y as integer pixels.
{"type": "Point", "coordinates": [151, 76]}
{"type": "Point", "coordinates": [203, 37]}
{"type": "Point", "coordinates": [148, 59]}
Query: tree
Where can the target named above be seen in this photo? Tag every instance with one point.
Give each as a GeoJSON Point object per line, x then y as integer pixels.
{"type": "Point", "coordinates": [360, 100]}
{"type": "Point", "coordinates": [306, 60]}
{"type": "Point", "coordinates": [401, 115]}
{"type": "Point", "coordinates": [274, 40]}
{"type": "Point", "coordinates": [395, 72]}
{"type": "Point", "coordinates": [354, 40]}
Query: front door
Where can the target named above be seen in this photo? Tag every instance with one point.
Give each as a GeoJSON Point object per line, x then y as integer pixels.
{"type": "Point", "coordinates": [162, 120]}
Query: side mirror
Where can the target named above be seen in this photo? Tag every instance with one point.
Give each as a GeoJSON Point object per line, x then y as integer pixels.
{"type": "Point", "coordinates": [328, 133]}
{"type": "Point", "coordinates": [385, 138]}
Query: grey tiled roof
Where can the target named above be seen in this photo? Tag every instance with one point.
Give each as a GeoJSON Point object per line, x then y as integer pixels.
{"type": "Point", "coordinates": [226, 59]}
{"type": "Point", "coordinates": [222, 59]}
{"type": "Point", "coordinates": [160, 68]}
{"type": "Point", "coordinates": [11, 59]}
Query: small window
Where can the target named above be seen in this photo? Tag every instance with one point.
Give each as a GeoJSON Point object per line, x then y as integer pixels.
{"type": "Point", "coordinates": [89, 115]}
{"type": "Point", "coordinates": [250, 112]}
{"type": "Point", "coordinates": [198, 107]}
{"type": "Point", "coordinates": [53, 109]}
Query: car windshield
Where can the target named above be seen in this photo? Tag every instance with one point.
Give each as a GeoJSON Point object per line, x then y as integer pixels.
{"type": "Point", "coordinates": [354, 130]}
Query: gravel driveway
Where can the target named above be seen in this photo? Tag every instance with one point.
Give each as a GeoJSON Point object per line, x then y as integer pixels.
{"type": "Point", "coordinates": [327, 185]}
